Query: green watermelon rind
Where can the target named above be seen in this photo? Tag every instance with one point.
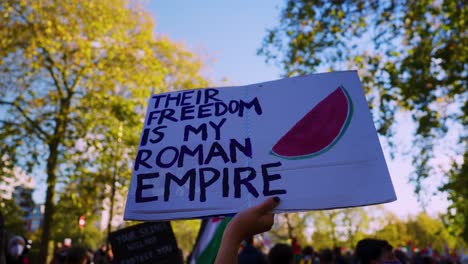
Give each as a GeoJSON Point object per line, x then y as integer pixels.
{"type": "Point", "coordinates": [333, 143]}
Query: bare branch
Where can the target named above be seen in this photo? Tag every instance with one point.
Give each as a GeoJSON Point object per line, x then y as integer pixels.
{"type": "Point", "coordinates": [9, 123]}
{"type": "Point", "coordinates": [77, 79]}
{"type": "Point", "coordinates": [39, 135]}
{"type": "Point", "coordinates": [5, 102]}
{"type": "Point", "coordinates": [51, 72]}
{"type": "Point", "coordinates": [34, 124]}
{"type": "Point", "coordinates": [21, 15]}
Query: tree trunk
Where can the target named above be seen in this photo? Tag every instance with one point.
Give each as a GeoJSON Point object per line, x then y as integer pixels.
{"type": "Point", "coordinates": [290, 228]}
{"type": "Point", "coordinates": [54, 144]}
{"type": "Point", "coordinates": [111, 202]}
{"type": "Point", "coordinates": [333, 228]}
{"type": "Point", "coordinates": [49, 203]}
{"type": "Point", "coordinates": [2, 241]}
{"type": "Point", "coordinates": [113, 187]}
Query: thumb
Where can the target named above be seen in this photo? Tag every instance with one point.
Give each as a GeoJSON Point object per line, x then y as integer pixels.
{"type": "Point", "coordinates": [268, 205]}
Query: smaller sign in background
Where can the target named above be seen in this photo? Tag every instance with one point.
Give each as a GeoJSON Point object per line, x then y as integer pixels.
{"type": "Point", "coordinates": [152, 242]}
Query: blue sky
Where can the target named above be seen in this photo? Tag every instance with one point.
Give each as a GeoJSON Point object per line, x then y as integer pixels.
{"type": "Point", "coordinates": [229, 33]}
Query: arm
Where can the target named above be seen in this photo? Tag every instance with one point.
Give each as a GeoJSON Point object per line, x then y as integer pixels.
{"type": "Point", "coordinates": [247, 223]}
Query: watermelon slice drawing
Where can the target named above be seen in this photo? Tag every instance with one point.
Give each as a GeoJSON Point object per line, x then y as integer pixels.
{"type": "Point", "coordinates": [319, 130]}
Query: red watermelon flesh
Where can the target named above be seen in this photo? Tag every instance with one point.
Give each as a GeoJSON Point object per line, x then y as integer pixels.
{"type": "Point", "coordinates": [319, 129]}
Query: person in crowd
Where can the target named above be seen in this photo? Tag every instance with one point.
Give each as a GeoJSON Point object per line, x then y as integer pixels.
{"type": "Point", "coordinates": [308, 256]}
{"type": "Point", "coordinates": [77, 255]}
{"type": "Point", "coordinates": [61, 252]}
{"type": "Point", "coordinates": [260, 218]}
{"type": "Point", "coordinates": [281, 254]}
{"type": "Point", "coordinates": [250, 254]}
{"type": "Point", "coordinates": [370, 251]}
{"type": "Point", "coordinates": [2, 240]}
{"type": "Point", "coordinates": [181, 255]}
{"type": "Point", "coordinates": [427, 260]}
{"type": "Point", "coordinates": [326, 256]}
{"type": "Point", "coordinates": [388, 255]}
{"type": "Point", "coordinates": [58, 254]}
{"type": "Point", "coordinates": [16, 251]}
{"type": "Point", "coordinates": [337, 256]}
{"type": "Point", "coordinates": [401, 256]}
{"type": "Point", "coordinates": [100, 256]}
{"type": "Point", "coordinates": [464, 259]}
{"type": "Point", "coordinates": [110, 254]}
{"type": "Point", "coordinates": [296, 248]}
{"type": "Point", "coordinates": [348, 257]}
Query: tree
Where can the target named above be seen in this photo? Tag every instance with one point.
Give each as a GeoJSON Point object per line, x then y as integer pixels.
{"type": "Point", "coordinates": [457, 216]}
{"type": "Point", "coordinates": [186, 232]}
{"type": "Point", "coordinates": [73, 204]}
{"type": "Point", "coordinates": [411, 56]}
{"type": "Point", "coordinates": [13, 217]}
{"type": "Point", "coordinates": [291, 225]}
{"type": "Point", "coordinates": [15, 198]}
{"type": "Point", "coordinates": [422, 230]}
{"type": "Point", "coordinates": [68, 71]}
{"type": "Point", "coordinates": [394, 230]}
{"type": "Point", "coordinates": [342, 227]}
{"type": "Point", "coordinates": [325, 229]}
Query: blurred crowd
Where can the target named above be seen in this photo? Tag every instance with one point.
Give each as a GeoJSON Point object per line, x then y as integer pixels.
{"type": "Point", "coordinates": [67, 254]}
{"type": "Point", "coordinates": [17, 250]}
{"type": "Point", "coordinates": [367, 251]}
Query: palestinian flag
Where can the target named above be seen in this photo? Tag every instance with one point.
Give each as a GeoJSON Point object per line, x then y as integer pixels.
{"type": "Point", "coordinates": [208, 240]}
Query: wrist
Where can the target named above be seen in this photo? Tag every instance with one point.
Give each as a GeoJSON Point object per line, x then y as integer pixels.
{"type": "Point", "coordinates": [229, 247]}
{"type": "Point", "coordinates": [232, 236]}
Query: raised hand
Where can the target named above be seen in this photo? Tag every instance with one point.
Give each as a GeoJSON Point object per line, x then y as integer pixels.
{"type": "Point", "coordinates": [255, 220]}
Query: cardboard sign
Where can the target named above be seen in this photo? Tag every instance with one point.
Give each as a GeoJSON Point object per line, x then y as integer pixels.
{"type": "Point", "coordinates": [145, 243]}
{"type": "Point", "coordinates": [309, 140]}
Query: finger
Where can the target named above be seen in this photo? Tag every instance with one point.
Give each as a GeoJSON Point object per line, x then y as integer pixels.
{"type": "Point", "coordinates": [267, 221]}
{"type": "Point", "coordinates": [268, 205]}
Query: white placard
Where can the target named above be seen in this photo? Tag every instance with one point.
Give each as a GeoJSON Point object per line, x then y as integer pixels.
{"type": "Point", "coordinates": [309, 140]}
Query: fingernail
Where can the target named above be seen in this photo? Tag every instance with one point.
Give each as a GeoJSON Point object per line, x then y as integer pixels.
{"type": "Point", "coordinates": [276, 199]}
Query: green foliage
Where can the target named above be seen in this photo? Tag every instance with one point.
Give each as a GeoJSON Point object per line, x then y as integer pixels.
{"type": "Point", "coordinates": [394, 231]}
{"type": "Point", "coordinates": [72, 73]}
{"type": "Point", "coordinates": [289, 226]}
{"type": "Point", "coordinates": [456, 187]}
{"type": "Point", "coordinates": [331, 228]}
{"type": "Point", "coordinates": [78, 200]}
{"type": "Point", "coordinates": [33, 253]}
{"type": "Point", "coordinates": [13, 217]}
{"type": "Point", "coordinates": [422, 230]}
{"type": "Point", "coordinates": [345, 227]}
{"type": "Point", "coordinates": [411, 56]}
{"type": "Point", "coordinates": [336, 228]}
{"type": "Point", "coordinates": [186, 232]}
